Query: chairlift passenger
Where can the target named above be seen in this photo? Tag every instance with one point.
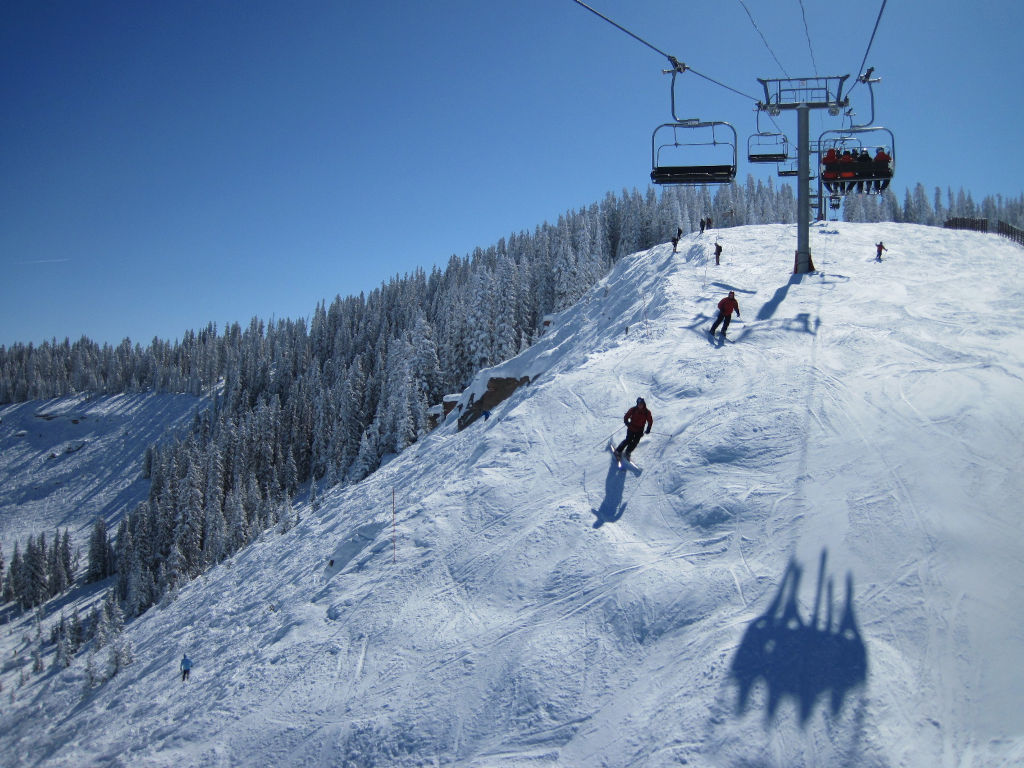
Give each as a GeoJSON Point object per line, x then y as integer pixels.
{"type": "Point", "coordinates": [864, 169]}
{"type": "Point", "coordinates": [830, 174]}
{"type": "Point", "coordinates": [882, 165]}
{"type": "Point", "coordinates": [847, 171]}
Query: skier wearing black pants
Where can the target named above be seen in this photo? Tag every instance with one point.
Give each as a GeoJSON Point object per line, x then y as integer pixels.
{"type": "Point", "coordinates": [635, 419]}
{"type": "Point", "coordinates": [726, 307]}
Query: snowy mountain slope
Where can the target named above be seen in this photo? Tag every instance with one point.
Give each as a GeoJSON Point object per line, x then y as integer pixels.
{"type": "Point", "coordinates": [67, 461]}
{"type": "Point", "coordinates": [818, 564]}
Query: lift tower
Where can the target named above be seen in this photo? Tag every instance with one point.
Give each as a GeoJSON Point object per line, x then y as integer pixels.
{"type": "Point", "coordinates": [803, 95]}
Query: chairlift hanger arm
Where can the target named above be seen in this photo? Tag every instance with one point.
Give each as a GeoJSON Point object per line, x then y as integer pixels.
{"type": "Point", "coordinates": [869, 81]}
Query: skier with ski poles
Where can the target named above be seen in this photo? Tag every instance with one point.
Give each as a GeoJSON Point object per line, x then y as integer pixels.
{"type": "Point", "coordinates": [635, 419]}
{"type": "Point", "coordinates": [726, 307]}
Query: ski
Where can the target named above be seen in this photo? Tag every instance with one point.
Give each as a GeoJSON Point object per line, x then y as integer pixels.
{"type": "Point", "coordinates": [617, 457]}
{"type": "Point", "coordinates": [623, 462]}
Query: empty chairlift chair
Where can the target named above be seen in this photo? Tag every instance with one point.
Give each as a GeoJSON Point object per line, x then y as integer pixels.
{"type": "Point", "coordinates": [693, 152]}
{"type": "Point", "coordinates": [767, 148]}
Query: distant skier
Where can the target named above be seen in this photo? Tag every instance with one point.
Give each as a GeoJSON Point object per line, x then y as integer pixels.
{"type": "Point", "coordinates": [186, 666]}
{"type": "Point", "coordinates": [702, 225]}
{"type": "Point", "coordinates": [726, 307]}
{"type": "Point", "coordinates": [879, 247]}
{"type": "Point", "coordinates": [718, 253]}
{"type": "Point", "coordinates": [635, 419]}
{"type": "Point", "coordinates": [677, 238]}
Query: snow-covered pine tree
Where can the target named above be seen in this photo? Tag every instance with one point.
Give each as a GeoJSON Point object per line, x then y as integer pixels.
{"type": "Point", "coordinates": [426, 368]}
{"type": "Point", "coordinates": [567, 277]}
{"type": "Point", "coordinates": [369, 454]}
{"type": "Point", "coordinates": [10, 583]}
{"type": "Point", "coordinates": [63, 654]}
{"type": "Point", "coordinates": [37, 589]}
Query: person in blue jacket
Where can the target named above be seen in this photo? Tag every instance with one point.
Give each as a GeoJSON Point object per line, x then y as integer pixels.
{"type": "Point", "coordinates": [186, 665]}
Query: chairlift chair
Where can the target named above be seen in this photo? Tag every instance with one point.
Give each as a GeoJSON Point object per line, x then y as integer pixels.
{"type": "Point", "coordinates": [847, 177]}
{"type": "Point", "coordinates": [691, 151]}
{"type": "Point", "coordinates": [767, 148]}
{"type": "Point", "coordinates": [676, 148]}
{"type": "Point", "coordinates": [788, 166]}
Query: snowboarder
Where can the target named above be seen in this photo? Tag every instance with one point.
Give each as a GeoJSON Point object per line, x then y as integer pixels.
{"type": "Point", "coordinates": [186, 665]}
{"type": "Point", "coordinates": [879, 247]}
{"type": "Point", "coordinates": [726, 307]}
{"type": "Point", "coordinates": [635, 419]}
{"type": "Point", "coordinates": [718, 253]}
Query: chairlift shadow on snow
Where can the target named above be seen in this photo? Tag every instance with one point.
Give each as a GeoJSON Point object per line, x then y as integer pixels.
{"type": "Point", "coordinates": [798, 659]}
{"type": "Point", "coordinates": [801, 323]}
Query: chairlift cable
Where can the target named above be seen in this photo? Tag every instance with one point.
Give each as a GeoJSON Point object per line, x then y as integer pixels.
{"type": "Point", "coordinates": [672, 59]}
{"type": "Point", "coordinates": [763, 40]}
{"type": "Point", "coordinates": [722, 85]}
{"type": "Point", "coordinates": [677, 66]}
{"type": "Point", "coordinates": [807, 33]}
{"type": "Point", "coordinates": [870, 43]}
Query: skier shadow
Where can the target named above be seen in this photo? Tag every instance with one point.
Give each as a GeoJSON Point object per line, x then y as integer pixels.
{"type": "Point", "coordinates": [718, 340]}
{"type": "Point", "coordinates": [613, 506]}
{"type": "Point", "coordinates": [798, 659]}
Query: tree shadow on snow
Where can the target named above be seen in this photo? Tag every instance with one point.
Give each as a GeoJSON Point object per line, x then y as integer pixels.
{"type": "Point", "coordinates": [798, 659]}
{"type": "Point", "coordinates": [612, 507]}
{"type": "Point", "coordinates": [731, 287]}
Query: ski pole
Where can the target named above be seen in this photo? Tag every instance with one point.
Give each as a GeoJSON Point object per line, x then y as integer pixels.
{"type": "Point", "coordinates": [610, 436]}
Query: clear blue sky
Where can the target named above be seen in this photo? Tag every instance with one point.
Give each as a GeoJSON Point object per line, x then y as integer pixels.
{"type": "Point", "coordinates": [164, 165]}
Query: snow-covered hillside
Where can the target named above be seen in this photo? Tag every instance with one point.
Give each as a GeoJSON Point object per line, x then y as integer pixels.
{"type": "Point", "coordinates": [67, 461]}
{"type": "Point", "coordinates": [819, 563]}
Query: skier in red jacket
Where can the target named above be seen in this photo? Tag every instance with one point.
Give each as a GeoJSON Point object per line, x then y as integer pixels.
{"type": "Point", "coordinates": [635, 419]}
{"type": "Point", "coordinates": [726, 307]}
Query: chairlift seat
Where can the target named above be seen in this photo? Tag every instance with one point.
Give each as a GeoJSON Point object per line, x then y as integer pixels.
{"type": "Point", "coordinates": [693, 174]}
{"type": "Point", "coordinates": [767, 157]}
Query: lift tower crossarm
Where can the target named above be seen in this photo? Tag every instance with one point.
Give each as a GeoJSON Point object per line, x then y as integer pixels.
{"type": "Point", "coordinates": [815, 92]}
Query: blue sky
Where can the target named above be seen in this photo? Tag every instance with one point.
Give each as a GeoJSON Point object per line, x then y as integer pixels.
{"type": "Point", "coordinates": [165, 165]}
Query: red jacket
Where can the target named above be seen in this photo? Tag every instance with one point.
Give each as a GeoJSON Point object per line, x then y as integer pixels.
{"type": "Point", "coordinates": [728, 305]}
{"type": "Point", "coordinates": [636, 417]}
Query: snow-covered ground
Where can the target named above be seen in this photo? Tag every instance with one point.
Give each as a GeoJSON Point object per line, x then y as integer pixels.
{"type": "Point", "coordinates": [818, 565]}
{"type": "Point", "coordinates": [67, 461]}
